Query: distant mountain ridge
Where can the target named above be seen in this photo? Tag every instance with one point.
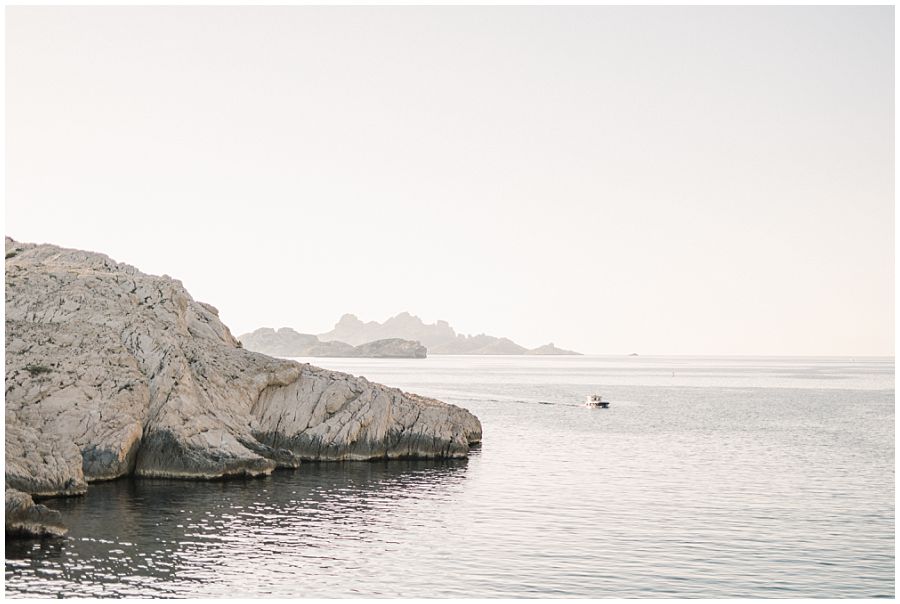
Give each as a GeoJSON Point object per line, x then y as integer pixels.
{"type": "Point", "coordinates": [438, 337]}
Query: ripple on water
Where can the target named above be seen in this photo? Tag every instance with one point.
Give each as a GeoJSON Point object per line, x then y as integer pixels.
{"type": "Point", "coordinates": [755, 478]}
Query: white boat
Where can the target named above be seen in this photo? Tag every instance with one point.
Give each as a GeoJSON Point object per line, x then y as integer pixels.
{"type": "Point", "coordinates": [595, 400]}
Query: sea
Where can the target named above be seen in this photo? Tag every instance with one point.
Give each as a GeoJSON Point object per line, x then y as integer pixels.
{"type": "Point", "coordinates": [707, 477]}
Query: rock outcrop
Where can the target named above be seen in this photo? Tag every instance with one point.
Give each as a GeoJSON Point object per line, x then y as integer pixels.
{"type": "Point", "coordinates": [396, 348]}
{"type": "Point", "coordinates": [439, 337]}
{"type": "Point", "coordinates": [551, 349]}
{"type": "Point", "coordinates": [286, 342]}
{"type": "Point", "coordinates": [25, 518]}
{"type": "Point", "coordinates": [480, 344]}
{"type": "Point", "coordinates": [111, 372]}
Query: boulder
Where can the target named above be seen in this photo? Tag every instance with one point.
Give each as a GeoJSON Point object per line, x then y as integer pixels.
{"type": "Point", "coordinates": [25, 518]}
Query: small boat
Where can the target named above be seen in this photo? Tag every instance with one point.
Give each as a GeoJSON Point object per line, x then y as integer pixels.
{"type": "Point", "coordinates": [595, 400]}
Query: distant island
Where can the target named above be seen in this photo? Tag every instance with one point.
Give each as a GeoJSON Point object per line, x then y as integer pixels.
{"type": "Point", "coordinates": [286, 342]}
{"type": "Point", "coordinates": [402, 336]}
{"type": "Point", "coordinates": [438, 338]}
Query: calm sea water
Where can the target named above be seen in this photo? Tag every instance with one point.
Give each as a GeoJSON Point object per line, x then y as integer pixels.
{"type": "Point", "coordinates": [707, 477]}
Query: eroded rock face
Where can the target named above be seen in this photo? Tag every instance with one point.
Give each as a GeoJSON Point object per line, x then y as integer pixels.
{"type": "Point", "coordinates": [352, 420]}
{"type": "Point", "coordinates": [74, 379]}
{"type": "Point", "coordinates": [110, 371]}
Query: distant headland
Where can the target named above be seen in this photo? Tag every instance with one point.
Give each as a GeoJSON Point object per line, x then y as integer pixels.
{"type": "Point", "coordinates": [401, 336]}
{"type": "Point", "coordinates": [438, 338]}
{"type": "Point", "coordinates": [286, 342]}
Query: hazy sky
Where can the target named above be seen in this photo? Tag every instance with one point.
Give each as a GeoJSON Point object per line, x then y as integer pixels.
{"type": "Point", "coordinates": [614, 179]}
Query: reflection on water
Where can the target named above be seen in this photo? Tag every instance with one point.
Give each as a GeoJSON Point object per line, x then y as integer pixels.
{"type": "Point", "coordinates": [170, 537]}
{"type": "Point", "coordinates": [731, 478]}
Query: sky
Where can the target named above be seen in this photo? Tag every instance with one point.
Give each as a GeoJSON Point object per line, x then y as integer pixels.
{"type": "Point", "coordinates": [660, 180]}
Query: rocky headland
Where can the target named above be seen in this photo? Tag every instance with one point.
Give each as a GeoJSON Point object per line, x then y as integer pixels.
{"type": "Point", "coordinates": [551, 349]}
{"type": "Point", "coordinates": [286, 342]}
{"type": "Point", "coordinates": [112, 372]}
{"type": "Point", "coordinates": [438, 338]}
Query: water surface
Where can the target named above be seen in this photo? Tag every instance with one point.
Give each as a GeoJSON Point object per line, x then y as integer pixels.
{"type": "Point", "coordinates": [708, 477]}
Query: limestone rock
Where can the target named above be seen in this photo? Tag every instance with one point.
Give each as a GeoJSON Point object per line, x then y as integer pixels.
{"type": "Point", "coordinates": [25, 518]}
{"type": "Point", "coordinates": [335, 416]}
{"type": "Point", "coordinates": [110, 371]}
{"type": "Point", "coordinates": [74, 379]}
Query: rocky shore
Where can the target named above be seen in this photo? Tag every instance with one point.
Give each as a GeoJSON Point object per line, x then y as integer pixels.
{"type": "Point", "coordinates": [111, 372]}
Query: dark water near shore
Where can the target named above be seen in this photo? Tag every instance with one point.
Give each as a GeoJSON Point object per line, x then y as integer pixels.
{"type": "Point", "coordinates": [708, 477]}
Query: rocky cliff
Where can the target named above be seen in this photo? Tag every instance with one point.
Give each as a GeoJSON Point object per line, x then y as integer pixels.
{"type": "Point", "coordinates": [111, 372]}
{"type": "Point", "coordinates": [438, 337]}
{"type": "Point", "coordinates": [286, 342]}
